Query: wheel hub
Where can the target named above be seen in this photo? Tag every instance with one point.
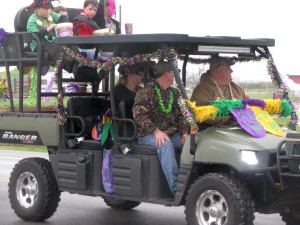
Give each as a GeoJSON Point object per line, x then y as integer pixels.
{"type": "Point", "coordinates": [214, 211]}
{"type": "Point", "coordinates": [212, 208]}
{"type": "Point", "coordinates": [30, 190]}
{"type": "Point", "coordinates": [27, 189]}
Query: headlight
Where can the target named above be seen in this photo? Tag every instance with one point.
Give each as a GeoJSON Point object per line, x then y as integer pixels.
{"type": "Point", "coordinates": [249, 157]}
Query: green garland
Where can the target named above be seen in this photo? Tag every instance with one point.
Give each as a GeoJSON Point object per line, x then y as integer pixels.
{"type": "Point", "coordinates": [33, 86]}
{"type": "Point", "coordinates": [107, 65]}
{"type": "Point", "coordinates": [194, 60]}
{"type": "Point", "coordinates": [160, 101]}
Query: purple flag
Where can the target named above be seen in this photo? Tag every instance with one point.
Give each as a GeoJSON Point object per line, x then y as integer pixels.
{"type": "Point", "coordinates": [247, 120]}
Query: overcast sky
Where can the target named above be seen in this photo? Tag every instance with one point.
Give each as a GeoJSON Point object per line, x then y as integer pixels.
{"type": "Point", "coordinates": [247, 19]}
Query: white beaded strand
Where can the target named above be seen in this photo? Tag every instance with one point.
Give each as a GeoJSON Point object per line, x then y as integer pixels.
{"type": "Point", "coordinates": [220, 91]}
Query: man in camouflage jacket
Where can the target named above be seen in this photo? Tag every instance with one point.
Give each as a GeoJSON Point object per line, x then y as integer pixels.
{"type": "Point", "coordinates": [160, 121]}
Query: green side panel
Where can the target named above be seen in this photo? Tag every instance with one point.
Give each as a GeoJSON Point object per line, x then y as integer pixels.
{"type": "Point", "coordinates": [223, 145]}
{"type": "Point", "coordinates": [30, 128]}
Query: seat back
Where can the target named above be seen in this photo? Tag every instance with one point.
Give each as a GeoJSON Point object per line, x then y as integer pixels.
{"type": "Point", "coordinates": [73, 12]}
{"type": "Point", "coordinates": [87, 108]}
{"type": "Point", "coordinates": [10, 50]}
{"type": "Point", "coordinates": [21, 19]}
{"type": "Point", "coordinates": [22, 16]}
{"type": "Point", "coordinates": [127, 129]}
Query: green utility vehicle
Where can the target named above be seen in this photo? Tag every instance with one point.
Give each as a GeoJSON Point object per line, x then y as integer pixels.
{"type": "Point", "coordinates": [225, 174]}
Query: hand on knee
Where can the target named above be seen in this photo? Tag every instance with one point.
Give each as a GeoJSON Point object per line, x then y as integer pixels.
{"type": "Point", "coordinates": [160, 138]}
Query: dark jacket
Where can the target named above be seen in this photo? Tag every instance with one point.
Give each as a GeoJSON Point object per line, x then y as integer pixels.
{"type": "Point", "coordinates": [148, 114]}
{"type": "Point", "coordinates": [84, 26]}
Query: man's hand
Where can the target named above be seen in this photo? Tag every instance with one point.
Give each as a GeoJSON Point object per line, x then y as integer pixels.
{"type": "Point", "coordinates": [183, 138]}
{"type": "Point", "coordinates": [160, 137]}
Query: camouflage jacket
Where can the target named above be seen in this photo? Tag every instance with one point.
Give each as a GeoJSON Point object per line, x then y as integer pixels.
{"type": "Point", "coordinates": [148, 114]}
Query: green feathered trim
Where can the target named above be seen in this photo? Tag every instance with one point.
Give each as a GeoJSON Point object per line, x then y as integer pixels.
{"type": "Point", "coordinates": [224, 106]}
{"type": "Point", "coordinates": [286, 108]}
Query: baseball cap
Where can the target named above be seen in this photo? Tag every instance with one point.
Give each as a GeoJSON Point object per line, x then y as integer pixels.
{"type": "Point", "coordinates": [160, 68]}
{"type": "Point", "coordinates": [217, 61]}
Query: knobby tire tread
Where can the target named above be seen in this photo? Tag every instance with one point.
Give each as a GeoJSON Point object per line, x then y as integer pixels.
{"type": "Point", "coordinates": [51, 196]}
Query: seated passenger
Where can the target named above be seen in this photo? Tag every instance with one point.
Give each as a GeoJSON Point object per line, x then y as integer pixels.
{"type": "Point", "coordinates": [104, 17]}
{"type": "Point", "coordinates": [94, 18]}
{"type": "Point", "coordinates": [87, 22]}
{"type": "Point", "coordinates": [84, 25]}
{"type": "Point", "coordinates": [217, 84]}
{"type": "Point", "coordinates": [61, 10]}
{"type": "Point", "coordinates": [160, 121]}
{"type": "Point", "coordinates": [128, 85]}
{"type": "Point", "coordinates": [42, 22]}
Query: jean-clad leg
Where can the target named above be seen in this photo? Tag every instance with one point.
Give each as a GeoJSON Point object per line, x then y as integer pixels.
{"type": "Point", "coordinates": [166, 155]}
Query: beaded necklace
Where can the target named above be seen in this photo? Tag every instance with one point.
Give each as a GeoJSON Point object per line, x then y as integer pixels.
{"type": "Point", "coordinates": [44, 24]}
{"type": "Point", "coordinates": [160, 101]}
{"type": "Point", "coordinates": [112, 27]}
{"type": "Point", "coordinates": [220, 91]}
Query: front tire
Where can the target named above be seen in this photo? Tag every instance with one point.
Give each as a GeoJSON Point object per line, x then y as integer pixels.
{"type": "Point", "coordinates": [218, 199]}
{"type": "Point", "coordinates": [33, 191]}
{"type": "Point", "coordinates": [120, 204]}
{"type": "Point", "coordinates": [292, 217]}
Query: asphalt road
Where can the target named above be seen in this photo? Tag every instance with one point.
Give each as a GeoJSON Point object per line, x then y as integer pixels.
{"type": "Point", "coordinates": [77, 210]}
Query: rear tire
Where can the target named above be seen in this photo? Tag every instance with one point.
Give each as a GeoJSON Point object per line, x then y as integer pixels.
{"type": "Point", "coordinates": [116, 203]}
{"type": "Point", "coordinates": [218, 199]}
{"type": "Point", "coordinates": [33, 191]}
{"type": "Point", "coordinates": [292, 217]}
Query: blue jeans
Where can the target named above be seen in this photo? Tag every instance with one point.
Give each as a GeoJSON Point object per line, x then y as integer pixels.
{"type": "Point", "coordinates": [166, 155]}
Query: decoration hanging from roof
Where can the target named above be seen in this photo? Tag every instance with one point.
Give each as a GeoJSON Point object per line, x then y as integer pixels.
{"type": "Point", "coordinates": [270, 68]}
{"type": "Point", "coordinates": [106, 66]}
{"type": "Point", "coordinates": [2, 36]}
{"type": "Point", "coordinates": [202, 113]}
{"type": "Point", "coordinates": [194, 60]}
{"type": "Point", "coordinates": [33, 86]}
{"type": "Point", "coordinates": [4, 95]}
{"type": "Point", "coordinates": [61, 113]}
{"type": "Point", "coordinates": [187, 114]}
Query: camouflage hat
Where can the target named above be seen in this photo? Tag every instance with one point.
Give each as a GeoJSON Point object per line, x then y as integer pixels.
{"type": "Point", "coordinates": [160, 68]}
{"type": "Point", "coordinates": [217, 61]}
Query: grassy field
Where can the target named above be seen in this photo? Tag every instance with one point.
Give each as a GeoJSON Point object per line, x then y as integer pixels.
{"type": "Point", "coordinates": [6, 104]}
{"type": "Point", "coordinates": [32, 148]}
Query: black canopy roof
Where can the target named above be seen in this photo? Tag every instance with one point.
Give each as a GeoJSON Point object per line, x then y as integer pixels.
{"type": "Point", "coordinates": [148, 43]}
